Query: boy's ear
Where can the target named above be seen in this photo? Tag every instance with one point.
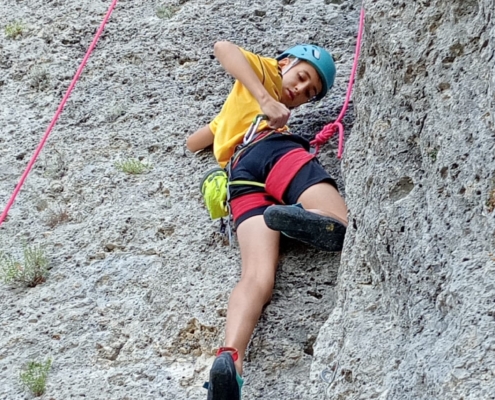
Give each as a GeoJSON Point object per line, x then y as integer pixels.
{"type": "Point", "coordinates": [284, 62]}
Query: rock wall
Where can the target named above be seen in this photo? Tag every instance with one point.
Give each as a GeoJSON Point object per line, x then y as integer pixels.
{"type": "Point", "coordinates": [135, 302]}
{"type": "Point", "coordinates": [415, 313]}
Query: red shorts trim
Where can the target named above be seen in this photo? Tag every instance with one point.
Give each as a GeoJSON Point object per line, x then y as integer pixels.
{"type": "Point", "coordinates": [243, 204]}
{"type": "Point", "coordinates": [284, 171]}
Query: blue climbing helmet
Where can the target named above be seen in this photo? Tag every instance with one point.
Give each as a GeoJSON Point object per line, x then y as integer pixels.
{"type": "Point", "coordinates": [319, 58]}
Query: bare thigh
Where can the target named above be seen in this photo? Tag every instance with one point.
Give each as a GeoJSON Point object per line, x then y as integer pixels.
{"type": "Point", "coordinates": [324, 199]}
{"type": "Point", "coordinates": [259, 249]}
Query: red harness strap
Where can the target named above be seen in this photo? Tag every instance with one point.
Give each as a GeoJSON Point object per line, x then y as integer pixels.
{"type": "Point", "coordinates": [282, 173]}
{"type": "Point", "coordinates": [247, 202]}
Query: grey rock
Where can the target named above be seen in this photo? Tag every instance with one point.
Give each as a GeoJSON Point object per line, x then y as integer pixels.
{"type": "Point", "coordinates": [414, 314]}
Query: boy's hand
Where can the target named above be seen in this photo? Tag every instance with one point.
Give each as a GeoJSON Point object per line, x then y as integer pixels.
{"type": "Point", "coordinates": [277, 113]}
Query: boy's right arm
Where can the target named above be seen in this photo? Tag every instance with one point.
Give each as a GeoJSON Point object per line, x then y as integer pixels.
{"type": "Point", "coordinates": [234, 62]}
{"type": "Point", "coordinates": [200, 139]}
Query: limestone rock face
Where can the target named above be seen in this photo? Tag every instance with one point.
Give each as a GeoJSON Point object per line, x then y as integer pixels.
{"type": "Point", "coordinates": [135, 303]}
{"type": "Point", "coordinates": [415, 314]}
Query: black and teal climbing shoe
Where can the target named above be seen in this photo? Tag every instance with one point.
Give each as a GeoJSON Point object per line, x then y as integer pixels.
{"type": "Point", "coordinates": [225, 383]}
{"type": "Point", "coordinates": [322, 232]}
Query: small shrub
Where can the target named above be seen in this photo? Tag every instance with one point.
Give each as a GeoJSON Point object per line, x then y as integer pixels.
{"type": "Point", "coordinates": [166, 12]}
{"type": "Point", "coordinates": [56, 215]}
{"type": "Point", "coordinates": [433, 153]}
{"type": "Point", "coordinates": [55, 167]}
{"type": "Point", "coordinates": [30, 273]}
{"type": "Point", "coordinates": [39, 79]}
{"type": "Point", "coordinates": [115, 113]}
{"type": "Point", "coordinates": [132, 166]}
{"type": "Point", "coordinates": [14, 29]}
{"type": "Point", "coordinates": [35, 375]}
{"type": "Point", "coordinates": [490, 203]}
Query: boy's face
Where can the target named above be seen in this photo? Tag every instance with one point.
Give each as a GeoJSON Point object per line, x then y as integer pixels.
{"type": "Point", "coordinates": [300, 84]}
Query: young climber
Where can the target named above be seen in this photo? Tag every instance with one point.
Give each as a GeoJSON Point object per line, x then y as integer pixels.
{"type": "Point", "coordinates": [291, 193]}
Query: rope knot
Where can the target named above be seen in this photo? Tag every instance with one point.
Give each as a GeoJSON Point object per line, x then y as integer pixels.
{"type": "Point", "coordinates": [325, 134]}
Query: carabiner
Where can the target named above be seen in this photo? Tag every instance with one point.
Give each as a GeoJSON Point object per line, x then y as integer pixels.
{"type": "Point", "coordinates": [253, 128]}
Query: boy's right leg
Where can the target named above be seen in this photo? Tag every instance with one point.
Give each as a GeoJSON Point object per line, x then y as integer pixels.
{"type": "Point", "coordinates": [259, 252]}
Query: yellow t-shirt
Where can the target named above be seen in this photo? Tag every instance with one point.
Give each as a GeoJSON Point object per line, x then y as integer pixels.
{"type": "Point", "coordinates": [240, 108]}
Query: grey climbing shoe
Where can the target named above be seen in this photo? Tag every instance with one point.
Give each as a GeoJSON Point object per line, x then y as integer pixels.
{"type": "Point", "coordinates": [224, 384]}
{"type": "Point", "coordinates": [322, 232]}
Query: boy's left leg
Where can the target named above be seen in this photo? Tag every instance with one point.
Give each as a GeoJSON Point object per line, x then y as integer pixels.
{"type": "Point", "coordinates": [322, 219]}
{"type": "Point", "coordinates": [325, 200]}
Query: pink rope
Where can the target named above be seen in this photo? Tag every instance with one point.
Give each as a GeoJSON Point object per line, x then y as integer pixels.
{"type": "Point", "coordinates": [328, 130]}
{"type": "Point", "coordinates": [57, 113]}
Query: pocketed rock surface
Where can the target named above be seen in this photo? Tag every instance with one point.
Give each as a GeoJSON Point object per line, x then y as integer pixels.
{"type": "Point", "coordinates": [134, 306]}
{"type": "Point", "coordinates": [415, 313]}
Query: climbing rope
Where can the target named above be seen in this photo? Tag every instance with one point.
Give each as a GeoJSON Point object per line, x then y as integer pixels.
{"type": "Point", "coordinates": [327, 132]}
{"type": "Point", "coordinates": [57, 113]}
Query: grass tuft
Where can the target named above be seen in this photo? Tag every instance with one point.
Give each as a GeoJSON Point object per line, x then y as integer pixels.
{"type": "Point", "coordinates": [32, 271]}
{"type": "Point", "coordinates": [35, 375]}
{"type": "Point", "coordinates": [490, 203]}
{"type": "Point", "coordinates": [132, 166]}
{"type": "Point", "coordinates": [39, 79]}
{"type": "Point", "coordinates": [166, 12]}
{"type": "Point", "coordinates": [14, 29]}
{"type": "Point", "coordinates": [56, 215]}
{"type": "Point", "coordinates": [433, 153]}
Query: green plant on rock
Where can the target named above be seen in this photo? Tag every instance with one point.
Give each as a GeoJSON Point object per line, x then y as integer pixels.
{"type": "Point", "coordinates": [56, 215]}
{"type": "Point", "coordinates": [14, 29]}
{"type": "Point", "coordinates": [132, 166]}
{"type": "Point", "coordinates": [433, 153]}
{"type": "Point", "coordinates": [39, 79]}
{"type": "Point", "coordinates": [166, 12]}
{"type": "Point", "coordinates": [490, 203]}
{"type": "Point", "coordinates": [30, 272]}
{"type": "Point", "coordinates": [35, 375]}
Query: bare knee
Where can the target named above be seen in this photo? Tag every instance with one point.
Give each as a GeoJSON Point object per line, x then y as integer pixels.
{"type": "Point", "coordinates": [261, 287]}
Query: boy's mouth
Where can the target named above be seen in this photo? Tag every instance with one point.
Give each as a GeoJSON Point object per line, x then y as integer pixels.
{"type": "Point", "coordinates": [291, 95]}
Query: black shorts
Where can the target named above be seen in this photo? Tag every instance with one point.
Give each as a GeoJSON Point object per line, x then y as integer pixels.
{"type": "Point", "coordinates": [284, 164]}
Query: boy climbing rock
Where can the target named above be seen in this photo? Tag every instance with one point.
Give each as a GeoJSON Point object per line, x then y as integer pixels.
{"type": "Point", "coordinates": [276, 184]}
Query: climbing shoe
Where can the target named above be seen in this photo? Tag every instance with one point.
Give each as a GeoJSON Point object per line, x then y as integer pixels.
{"type": "Point", "coordinates": [225, 383]}
{"type": "Point", "coordinates": [213, 187]}
{"type": "Point", "coordinates": [322, 232]}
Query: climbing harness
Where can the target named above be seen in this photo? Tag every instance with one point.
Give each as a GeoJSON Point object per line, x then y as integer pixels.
{"type": "Point", "coordinates": [327, 132]}
{"type": "Point", "coordinates": [215, 182]}
{"type": "Point", "coordinates": [57, 113]}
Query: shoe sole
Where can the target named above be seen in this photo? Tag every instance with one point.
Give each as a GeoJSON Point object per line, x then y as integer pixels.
{"type": "Point", "coordinates": [223, 384]}
{"type": "Point", "coordinates": [322, 232]}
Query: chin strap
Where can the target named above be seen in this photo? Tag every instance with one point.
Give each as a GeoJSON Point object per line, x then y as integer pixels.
{"type": "Point", "coordinates": [294, 62]}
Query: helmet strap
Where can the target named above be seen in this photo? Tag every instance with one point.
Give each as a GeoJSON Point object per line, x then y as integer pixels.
{"type": "Point", "coordinates": [295, 61]}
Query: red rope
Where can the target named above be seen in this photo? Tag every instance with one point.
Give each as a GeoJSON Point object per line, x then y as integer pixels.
{"type": "Point", "coordinates": [57, 113]}
{"type": "Point", "coordinates": [328, 131]}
